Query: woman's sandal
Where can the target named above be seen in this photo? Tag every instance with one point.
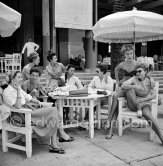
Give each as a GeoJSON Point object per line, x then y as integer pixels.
{"type": "Point", "coordinates": [64, 140]}
{"type": "Point", "coordinates": [109, 136]}
{"type": "Point", "coordinates": [56, 150]}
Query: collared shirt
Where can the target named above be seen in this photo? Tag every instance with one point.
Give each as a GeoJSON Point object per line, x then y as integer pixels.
{"type": "Point", "coordinates": [74, 82]}
{"type": "Point", "coordinates": [31, 47]}
{"type": "Point", "coordinates": [10, 96]}
{"type": "Point", "coordinates": [102, 84]}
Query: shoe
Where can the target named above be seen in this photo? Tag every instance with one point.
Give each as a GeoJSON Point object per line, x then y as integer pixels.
{"type": "Point", "coordinates": [109, 136]}
{"type": "Point", "coordinates": [57, 150]}
{"type": "Point", "coordinates": [139, 113]}
{"type": "Point", "coordinates": [64, 140]}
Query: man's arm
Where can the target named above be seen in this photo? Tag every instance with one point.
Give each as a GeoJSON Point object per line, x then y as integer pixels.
{"type": "Point", "coordinates": [25, 46]}
{"type": "Point", "coordinates": [36, 46]}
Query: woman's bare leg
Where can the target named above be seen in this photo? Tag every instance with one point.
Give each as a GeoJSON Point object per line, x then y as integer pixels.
{"type": "Point", "coordinates": [131, 99]}
{"type": "Point", "coordinates": [148, 116]}
{"type": "Point", "coordinates": [62, 134]}
{"type": "Point", "coordinates": [53, 140]}
{"type": "Point", "coordinates": [112, 122]}
{"type": "Point", "coordinates": [114, 107]}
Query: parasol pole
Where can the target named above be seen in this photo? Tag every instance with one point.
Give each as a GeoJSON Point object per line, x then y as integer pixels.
{"type": "Point", "coordinates": [134, 9]}
{"type": "Point", "coordinates": [134, 43]}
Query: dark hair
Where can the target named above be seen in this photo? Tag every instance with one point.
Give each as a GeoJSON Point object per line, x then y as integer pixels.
{"type": "Point", "coordinates": [36, 70]}
{"type": "Point", "coordinates": [33, 56]}
{"type": "Point", "coordinates": [68, 67]}
{"type": "Point", "coordinates": [102, 69]}
{"type": "Point", "coordinates": [143, 66]}
{"type": "Point", "coordinates": [12, 75]}
{"type": "Point", "coordinates": [50, 55]}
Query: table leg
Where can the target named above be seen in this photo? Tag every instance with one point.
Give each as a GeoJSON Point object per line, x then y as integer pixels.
{"type": "Point", "coordinates": [98, 114]}
{"type": "Point", "coordinates": [91, 119]}
{"type": "Point", "coordinates": [60, 108]}
{"type": "Point", "coordinates": [1, 65]}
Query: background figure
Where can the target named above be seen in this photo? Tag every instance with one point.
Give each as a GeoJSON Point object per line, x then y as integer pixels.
{"type": "Point", "coordinates": [30, 47]}
{"type": "Point", "coordinates": [34, 60]}
{"type": "Point", "coordinates": [155, 59]}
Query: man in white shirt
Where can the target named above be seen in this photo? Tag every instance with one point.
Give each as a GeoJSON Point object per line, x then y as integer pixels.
{"type": "Point", "coordinates": [30, 46]}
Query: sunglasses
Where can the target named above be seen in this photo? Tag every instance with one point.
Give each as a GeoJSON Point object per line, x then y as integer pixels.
{"type": "Point", "coordinates": [97, 71]}
{"type": "Point", "coordinates": [138, 71]}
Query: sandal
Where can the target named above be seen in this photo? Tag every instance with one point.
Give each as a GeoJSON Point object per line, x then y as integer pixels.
{"type": "Point", "coordinates": [64, 140]}
{"type": "Point", "coordinates": [56, 150]}
{"type": "Point", "coordinates": [109, 136]}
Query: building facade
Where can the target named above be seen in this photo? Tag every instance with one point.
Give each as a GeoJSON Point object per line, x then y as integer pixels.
{"type": "Point", "coordinates": [67, 33]}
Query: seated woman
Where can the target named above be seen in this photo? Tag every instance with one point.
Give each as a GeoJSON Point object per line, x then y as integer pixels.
{"type": "Point", "coordinates": [54, 72]}
{"type": "Point", "coordinates": [34, 60]}
{"type": "Point", "coordinates": [47, 117]}
{"type": "Point", "coordinates": [139, 90]}
{"type": "Point", "coordinates": [102, 81]}
{"type": "Point", "coordinates": [32, 86]}
{"type": "Point", "coordinates": [72, 82]}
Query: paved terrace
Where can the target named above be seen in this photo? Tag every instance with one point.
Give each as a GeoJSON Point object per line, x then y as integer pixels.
{"type": "Point", "coordinates": [133, 148]}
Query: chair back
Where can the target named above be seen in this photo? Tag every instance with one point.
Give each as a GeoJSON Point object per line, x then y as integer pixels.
{"type": "Point", "coordinates": [17, 62]}
{"type": "Point", "coordinates": [13, 62]}
{"type": "Point", "coordinates": [9, 55]}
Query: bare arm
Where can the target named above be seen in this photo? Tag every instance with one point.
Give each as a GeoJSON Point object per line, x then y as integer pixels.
{"type": "Point", "coordinates": [24, 48]}
{"type": "Point", "coordinates": [117, 68]}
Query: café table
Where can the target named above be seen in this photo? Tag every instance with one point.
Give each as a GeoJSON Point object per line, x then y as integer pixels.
{"type": "Point", "coordinates": [83, 102]}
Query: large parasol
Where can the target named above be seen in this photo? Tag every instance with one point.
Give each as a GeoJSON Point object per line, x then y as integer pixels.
{"type": "Point", "coordinates": [9, 20]}
{"type": "Point", "coordinates": [129, 27]}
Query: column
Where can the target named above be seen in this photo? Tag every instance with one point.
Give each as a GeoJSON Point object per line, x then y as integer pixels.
{"type": "Point", "coordinates": [27, 22]}
{"type": "Point", "coordinates": [90, 55]}
{"type": "Point", "coordinates": [54, 29]}
{"type": "Point", "coordinates": [45, 30]}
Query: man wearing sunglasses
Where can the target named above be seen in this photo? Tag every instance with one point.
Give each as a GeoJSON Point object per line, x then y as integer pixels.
{"type": "Point", "coordinates": [140, 89]}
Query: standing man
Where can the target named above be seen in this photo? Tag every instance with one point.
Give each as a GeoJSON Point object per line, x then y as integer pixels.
{"type": "Point", "coordinates": [31, 47]}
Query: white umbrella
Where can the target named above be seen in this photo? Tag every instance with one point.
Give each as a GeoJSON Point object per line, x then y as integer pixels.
{"type": "Point", "coordinates": [9, 20]}
{"type": "Point", "coordinates": [128, 27]}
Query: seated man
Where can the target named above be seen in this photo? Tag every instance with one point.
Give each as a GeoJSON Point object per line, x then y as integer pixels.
{"type": "Point", "coordinates": [139, 90]}
{"type": "Point", "coordinates": [32, 86]}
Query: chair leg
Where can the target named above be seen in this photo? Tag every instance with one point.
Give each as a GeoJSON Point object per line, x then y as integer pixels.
{"type": "Point", "coordinates": [98, 116]}
{"type": "Point", "coordinates": [28, 137]}
{"type": "Point", "coordinates": [120, 127]}
{"type": "Point", "coordinates": [4, 140]}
